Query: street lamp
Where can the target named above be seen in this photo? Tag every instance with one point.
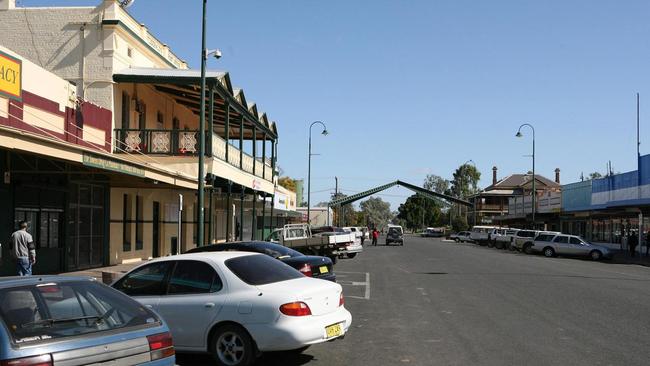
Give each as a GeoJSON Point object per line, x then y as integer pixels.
{"type": "Point", "coordinates": [309, 168]}
{"type": "Point", "coordinates": [205, 53]}
{"type": "Point", "coordinates": [519, 134]}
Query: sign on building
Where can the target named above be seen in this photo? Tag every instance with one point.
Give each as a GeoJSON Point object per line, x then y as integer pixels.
{"type": "Point", "coordinates": [11, 75]}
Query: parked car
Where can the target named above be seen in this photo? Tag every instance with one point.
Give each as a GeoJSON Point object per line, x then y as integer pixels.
{"type": "Point", "coordinates": [57, 320]}
{"type": "Point", "coordinates": [433, 232]}
{"type": "Point", "coordinates": [525, 238]}
{"type": "Point", "coordinates": [504, 240]}
{"type": "Point", "coordinates": [481, 234]}
{"type": "Point", "coordinates": [460, 237]}
{"type": "Point", "coordinates": [309, 265]}
{"type": "Point", "coordinates": [395, 234]}
{"type": "Point", "coordinates": [358, 234]}
{"type": "Point", "coordinates": [241, 304]}
{"type": "Point", "coordinates": [570, 245]}
{"type": "Point", "coordinates": [493, 235]}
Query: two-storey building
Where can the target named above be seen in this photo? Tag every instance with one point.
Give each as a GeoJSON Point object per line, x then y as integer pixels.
{"type": "Point", "coordinates": [136, 141]}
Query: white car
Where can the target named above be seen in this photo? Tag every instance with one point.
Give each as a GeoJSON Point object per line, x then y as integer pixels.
{"type": "Point", "coordinates": [358, 234]}
{"type": "Point", "coordinates": [236, 305]}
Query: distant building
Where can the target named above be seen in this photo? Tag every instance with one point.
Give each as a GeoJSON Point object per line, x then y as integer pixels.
{"type": "Point", "coordinates": [509, 200]}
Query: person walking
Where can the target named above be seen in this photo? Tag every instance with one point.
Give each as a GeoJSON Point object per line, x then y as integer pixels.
{"type": "Point", "coordinates": [632, 242]}
{"type": "Point", "coordinates": [23, 250]}
{"type": "Point", "coordinates": [375, 236]}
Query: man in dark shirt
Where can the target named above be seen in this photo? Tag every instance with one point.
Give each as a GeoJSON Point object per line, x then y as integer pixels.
{"type": "Point", "coordinates": [23, 250]}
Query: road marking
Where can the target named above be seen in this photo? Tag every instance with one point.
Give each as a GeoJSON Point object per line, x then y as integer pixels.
{"type": "Point", "coordinates": [358, 283]}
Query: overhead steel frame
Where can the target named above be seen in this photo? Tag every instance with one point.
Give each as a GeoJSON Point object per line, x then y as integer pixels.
{"type": "Point", "coordinates": [422, 191]}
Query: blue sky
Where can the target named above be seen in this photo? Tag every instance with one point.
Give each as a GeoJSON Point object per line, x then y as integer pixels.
{"type": "Point", "coordinates": [413, 87]}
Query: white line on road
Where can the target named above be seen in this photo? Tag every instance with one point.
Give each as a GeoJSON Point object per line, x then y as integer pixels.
{"type": "Point", "coordinates": [358, 283]}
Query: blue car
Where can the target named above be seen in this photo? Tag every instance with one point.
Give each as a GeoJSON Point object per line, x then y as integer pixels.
{"type": "Point", "coordinates": [50, 320]}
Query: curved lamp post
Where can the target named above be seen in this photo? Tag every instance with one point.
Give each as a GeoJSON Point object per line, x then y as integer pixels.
{"type": "Point", "coordinates": [519, 134]}
{"type": "Point", "coordinates": [324, 133]}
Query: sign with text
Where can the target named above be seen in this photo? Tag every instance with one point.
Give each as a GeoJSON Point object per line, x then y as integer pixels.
{"type": "Point", "coordinates": [11, 75]}
{"type": "Point", "coordinates": [100, 162]}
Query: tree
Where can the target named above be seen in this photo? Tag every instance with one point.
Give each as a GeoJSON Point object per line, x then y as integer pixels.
{"type": "Point", "coordinates": [376, 212]}
{"type": "Point", "coordinates": [435, 183]}
{"type": "Point", "coordinates": [347, 213]}
{"type": "Point", "coordinates": [287, 183]}
{"type": "Point", "coordinates": [465, 181]}
{"type": "Point", "coordinates": [595, 175]}
{"type": "Point", "coordinates": [419, 212]}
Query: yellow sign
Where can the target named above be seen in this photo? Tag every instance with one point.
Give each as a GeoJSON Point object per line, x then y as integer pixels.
{"type": "Point", "coordinates": [11, 75]}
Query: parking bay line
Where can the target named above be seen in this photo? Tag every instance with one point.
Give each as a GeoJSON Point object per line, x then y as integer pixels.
{"type": "Point", "coordinates": [357, 283]}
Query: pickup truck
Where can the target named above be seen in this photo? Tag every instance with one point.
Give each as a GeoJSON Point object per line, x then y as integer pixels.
{"type": "Point", "coordinates": [332, 244]}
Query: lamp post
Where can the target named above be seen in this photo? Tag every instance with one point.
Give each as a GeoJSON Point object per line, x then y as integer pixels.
{"type": "Point", "coordinates": [519, 134]}
{"type": "Point", "coordinates": [309, 168]}
{"type": "Point", "coordinates": [201, 175]}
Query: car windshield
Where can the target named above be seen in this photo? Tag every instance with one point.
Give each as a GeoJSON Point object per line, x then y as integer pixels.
{"type": "Point", "coordinates": [58, 310]}
{"type": "Point", "coordinates": [261, 270]}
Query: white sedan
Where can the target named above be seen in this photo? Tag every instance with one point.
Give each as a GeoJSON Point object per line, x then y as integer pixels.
{"type": "Point", "coordinates": [236, 305]}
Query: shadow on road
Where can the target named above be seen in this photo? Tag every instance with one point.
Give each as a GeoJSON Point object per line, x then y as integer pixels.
{"type": "Point", "coordinates": [267, 359]}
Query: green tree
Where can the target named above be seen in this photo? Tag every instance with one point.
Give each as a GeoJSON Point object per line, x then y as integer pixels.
{"type": "Point", "coordinates": [465, 181]}
{"type": "Point", "coordinates": [420, 212]}
{"type": "Point", "coordinates": [376, 212]}
{"type": "Point", "coordinates": [595, 175]}
{"type": "Point", "coordinates": [435, 183]}
{"type": "Point", "coordinates": [347, 213]}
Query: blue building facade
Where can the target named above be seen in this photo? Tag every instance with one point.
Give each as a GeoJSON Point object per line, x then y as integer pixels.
{"type": "Point", "coordinates": [607, 209]}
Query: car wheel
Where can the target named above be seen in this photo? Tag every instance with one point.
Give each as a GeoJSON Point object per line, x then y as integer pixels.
{"type": "Point", "coordinates": [232, 346]}
{"type": "Point", "coordinates": [490, 244]}
{"type": "Point", "coordinates": [549, 252]}
{"type": "Point", "coordinates": [401, 243]}
{"type": "Point", "coordinates": [352, 255]}
{"type": "Point", "coordinates": [596, 255]}
{"type": "Point", "coordinates": [528, 249]}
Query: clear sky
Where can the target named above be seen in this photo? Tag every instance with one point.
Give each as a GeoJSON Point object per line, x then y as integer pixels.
{"type": "Point", "coordinates": [413, 87]}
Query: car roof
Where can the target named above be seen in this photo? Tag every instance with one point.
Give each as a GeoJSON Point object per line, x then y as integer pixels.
{"type": "Point", "coordinates": [15, 281]}
{"type": "Point", "coordinates": [215, 256]}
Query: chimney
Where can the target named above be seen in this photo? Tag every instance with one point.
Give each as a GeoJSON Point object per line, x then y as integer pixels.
{"type": "Point", "coordinates": [557, 175]}
{"type": "Point", "coordinates": [7, 4]}
{"type": "Point", "coordinates": [494, 175]}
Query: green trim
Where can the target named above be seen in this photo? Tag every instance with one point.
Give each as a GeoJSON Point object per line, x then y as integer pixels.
{"type": "Point", "coordinates": [121, 24]}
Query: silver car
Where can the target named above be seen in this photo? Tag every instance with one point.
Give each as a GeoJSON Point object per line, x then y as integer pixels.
{"type": "Point", "coordinates": [570, 245]}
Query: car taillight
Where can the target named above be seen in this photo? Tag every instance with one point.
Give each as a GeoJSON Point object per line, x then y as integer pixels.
{"type": "Point", "coordinates": [42, 360]}
{"type": "Point", "coordinates": [341, 300]}
{"type": "Point", "coordinates": [306, 270]}
{"type": "Point", "coordinates": [161, 345]}
{"type": "Point", "coordinates": [298, 308]}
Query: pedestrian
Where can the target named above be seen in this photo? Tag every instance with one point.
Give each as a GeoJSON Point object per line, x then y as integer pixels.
{"type": "Point", "coordinates": [632, 242]}
{"type": "Point", "coordinates": [23, 250]}
{"type": "Point", "coordinates": [375, 236]}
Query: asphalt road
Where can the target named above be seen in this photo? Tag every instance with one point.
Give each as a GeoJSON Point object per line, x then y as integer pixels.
{"type": "Point", "coordinates": [432, 302]}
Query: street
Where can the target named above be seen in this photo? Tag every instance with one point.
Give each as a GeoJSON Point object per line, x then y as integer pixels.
{"type": "Point", "coordinates": [433, 302]}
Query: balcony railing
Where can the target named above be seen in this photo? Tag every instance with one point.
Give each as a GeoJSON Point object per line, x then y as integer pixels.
{"type": "Point", "coordinates": [185, 143]}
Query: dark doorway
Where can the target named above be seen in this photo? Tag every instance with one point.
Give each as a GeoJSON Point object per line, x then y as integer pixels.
{"type": "Point", "coordinates": [155, 235]}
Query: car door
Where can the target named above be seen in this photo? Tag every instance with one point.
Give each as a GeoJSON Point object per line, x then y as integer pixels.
{"type": "Point", "coordinates": [195, 295]}
{"type": "Point", "coordinates": [577, 247]}
{"type": "Point", "coordinates": [147, 283]}
{"type": "Point", "coordinates": [561, 244]}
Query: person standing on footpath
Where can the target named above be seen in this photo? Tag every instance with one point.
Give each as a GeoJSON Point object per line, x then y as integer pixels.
{"type": "Point", "coordinates": [632, 242]}
{"type": "Point", "coordinates": [23, 250]}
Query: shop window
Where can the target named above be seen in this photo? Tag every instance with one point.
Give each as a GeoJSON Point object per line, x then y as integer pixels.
{"type": "Point", "coordinates": [139, 232]}
{"type": "Point", "coordinates": [50, 229]}
{"type": "Point", "coordinates": [126, 223]}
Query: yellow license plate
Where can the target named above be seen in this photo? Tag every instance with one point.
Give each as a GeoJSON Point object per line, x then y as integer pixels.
{"type": "Point", "coordinates": [334, 330]}
{"type": "Point", "coordinates": [323, 270]}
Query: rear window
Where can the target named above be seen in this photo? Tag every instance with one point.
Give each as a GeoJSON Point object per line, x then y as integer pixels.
{"type": "Point", "coordinates": [545, 237]}
{"type": "Point", "coordinates": [53, 311]}
{"type": "Point", "coordinates": [526, 234]}
{"type": "Point", "coordinates": [261, 270]}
